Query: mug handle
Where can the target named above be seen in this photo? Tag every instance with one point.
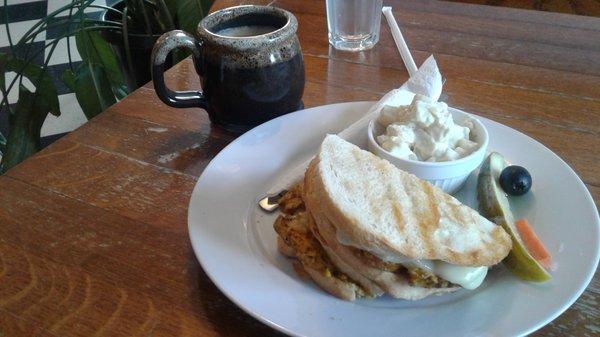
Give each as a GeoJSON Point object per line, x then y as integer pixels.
{"type": "Point", "coordinates": [164, 45]}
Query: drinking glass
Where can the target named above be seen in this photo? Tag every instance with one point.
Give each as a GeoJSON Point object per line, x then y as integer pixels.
{"type": "Point", "coordinates": [353, 24]}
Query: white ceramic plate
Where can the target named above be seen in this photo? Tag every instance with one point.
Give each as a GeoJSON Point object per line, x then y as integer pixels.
{"type": "Point", "coordinates": [236, 245]}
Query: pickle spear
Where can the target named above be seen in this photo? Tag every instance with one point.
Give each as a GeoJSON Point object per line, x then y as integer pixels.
{"type": "Point", "coordinates": [493, 204]}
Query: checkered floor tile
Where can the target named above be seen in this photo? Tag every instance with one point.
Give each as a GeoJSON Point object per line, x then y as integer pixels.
{"type": "Point", "coordinates": [22, 15]}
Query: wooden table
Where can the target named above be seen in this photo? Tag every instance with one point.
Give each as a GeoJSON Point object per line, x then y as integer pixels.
{"type": "Point", "coordinates": [93, 233]}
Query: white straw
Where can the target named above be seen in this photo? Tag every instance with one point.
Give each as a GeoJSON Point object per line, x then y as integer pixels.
{"type": "Point", "coordinates": [295, 174]}
{"type": "Point", "coordinates": [409, 63]}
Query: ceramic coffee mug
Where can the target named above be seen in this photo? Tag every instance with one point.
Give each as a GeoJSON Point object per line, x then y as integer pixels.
{"type": "Point", "coordinates": [249, 61]}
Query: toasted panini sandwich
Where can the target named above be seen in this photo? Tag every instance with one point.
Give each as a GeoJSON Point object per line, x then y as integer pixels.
{"type": "Point", "coordinates": [360, 227]}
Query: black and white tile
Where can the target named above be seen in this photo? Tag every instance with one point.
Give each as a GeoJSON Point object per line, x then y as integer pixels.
{"type": "Point", "coordinates": [22, 15]}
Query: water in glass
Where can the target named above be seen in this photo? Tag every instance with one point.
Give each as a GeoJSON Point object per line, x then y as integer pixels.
{"type": "Point", "coordinates": [353, 24]}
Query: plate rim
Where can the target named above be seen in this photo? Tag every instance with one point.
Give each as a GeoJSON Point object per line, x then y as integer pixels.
{"type": "Point", "coordinates": [196, 248]}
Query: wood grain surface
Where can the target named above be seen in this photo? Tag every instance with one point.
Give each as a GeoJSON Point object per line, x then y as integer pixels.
{"type": "Point", "coordinates": [93, 232]}
{"type": "Point", "coordinates": [579, 7]}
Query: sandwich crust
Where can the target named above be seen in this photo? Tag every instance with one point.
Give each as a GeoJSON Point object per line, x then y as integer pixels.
{"type": "Point", "coordinates": [296, 240]}
{"type": "Point", "coordinates": [397, 283]}
{"type": "Point", "coordinates": [354, 213]}
{"type": "Point", "coordinates": [384, 209]}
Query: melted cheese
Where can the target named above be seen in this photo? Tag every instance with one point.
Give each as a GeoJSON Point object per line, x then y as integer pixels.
{"type": "Point", "coordinates": [466, 277]}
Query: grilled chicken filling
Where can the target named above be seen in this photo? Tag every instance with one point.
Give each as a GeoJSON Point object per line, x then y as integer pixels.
{"type": "Point", "coordinates": [292, 227]}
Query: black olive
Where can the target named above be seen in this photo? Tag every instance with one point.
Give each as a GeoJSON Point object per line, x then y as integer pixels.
{"type": "Point", "coordinates": [515, 180]}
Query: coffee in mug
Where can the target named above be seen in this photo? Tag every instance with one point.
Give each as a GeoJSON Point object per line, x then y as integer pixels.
{"type": "Point", "coordinates": [249, 61]}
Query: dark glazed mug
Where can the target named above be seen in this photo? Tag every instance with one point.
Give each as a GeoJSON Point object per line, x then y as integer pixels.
{"type": "Point", "coordinates": [249, 61]}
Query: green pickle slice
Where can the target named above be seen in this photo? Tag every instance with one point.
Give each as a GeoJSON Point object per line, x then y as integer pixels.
{"type": "Point", "coordinates": [494, 205]}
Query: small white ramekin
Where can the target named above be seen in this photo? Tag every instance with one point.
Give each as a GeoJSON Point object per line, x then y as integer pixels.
{"type": "Point", "coordinates": [447, 175]}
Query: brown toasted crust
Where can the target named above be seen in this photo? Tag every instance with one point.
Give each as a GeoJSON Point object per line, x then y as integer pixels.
{"type": "Point", "coordinates": [336, 287]}
{"type": "Point", "coordinates": [291, 202]}
{"type": "Point", "coordinates": [300, 271]}
{"type": "Point", "coordinates": [395, 284]}
{"type": "Point", "coordinates": [428, 221]}
{"type": "Point", "coordinates": [297, 241]}
{"type": "Point", "coordinates": [284, 248]}
{"type": "Point", "coordinates": [371, 287]}
{"type": "Point", "coordinates": [299, 237]}
{"type": "Point", "coordinates": [293, 231]}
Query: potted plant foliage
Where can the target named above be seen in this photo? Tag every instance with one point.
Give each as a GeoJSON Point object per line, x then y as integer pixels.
{"type": "Point", "coordinates": [126, 31]}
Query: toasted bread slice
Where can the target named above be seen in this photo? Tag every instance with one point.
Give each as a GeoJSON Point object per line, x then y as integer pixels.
{"type": "Point", "coordinates": [371, 287]}
{"type": "Point", "coordinates": [296, 240]}
{"type": "Point", "coordinates": [385, 210]}
{"type": "Point", "coordinates": [284, 248]}
{"type": "Point", "coordinates": [337, 287]}
{"type": "Point", "coordinates": [397, 284]}
{"type": "Point", "coordinates": [345, 290]}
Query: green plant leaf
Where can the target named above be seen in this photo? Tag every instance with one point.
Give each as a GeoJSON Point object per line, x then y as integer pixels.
{"type": "Point", "coordinates": [164, 15]}
{"type": "Point", "coordinates": [3, 108]}
{"type": "Point", "coordinates": [135, 14]}
{"type": "Point", "coordinates": [25, 125]}
{"type": "Point", "coordinates": [44, 86]}
{"type": "Point", "coordinates": [144, 17]}
{"type": "Point", "coordinates": [92, 88]}
{"type": "Point", "coordinates": [30, 110]}
{"type": "Point", "coordinates": [190, 12]}
{"type": "Point", "coordinates": [95, 50]}
{"type": "Point", "coordinates": [2, 144]}
{"type": "Point", "coordinates": [172, 6]}
{"type": "Point", "coordinates": [3, 61]}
